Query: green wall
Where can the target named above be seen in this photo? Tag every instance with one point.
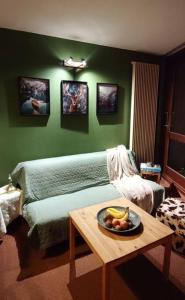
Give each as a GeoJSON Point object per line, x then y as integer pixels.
{"type": "Point", "coordinates": [26, 138]}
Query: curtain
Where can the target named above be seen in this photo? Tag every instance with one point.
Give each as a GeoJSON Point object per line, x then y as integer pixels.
{"type": "Point", "coordinates": [145, 78]}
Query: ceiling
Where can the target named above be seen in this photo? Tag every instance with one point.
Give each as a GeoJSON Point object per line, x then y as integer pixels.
{"type": "Point", "coordinates": [154, 26]}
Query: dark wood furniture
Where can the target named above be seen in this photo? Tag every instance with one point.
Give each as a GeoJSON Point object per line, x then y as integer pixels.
{"type": "Point", "coordinates": [174, 128]}
{"type": "Point", "coordinates": [155, 176]}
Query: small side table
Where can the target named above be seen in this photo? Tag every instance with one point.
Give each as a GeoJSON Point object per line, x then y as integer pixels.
{"type": "Point", "coordinates": [149, 174]}
{"type": "Point", "coordinates": [10, 207]}
{"type": "Point", "coordinates": [150, 171]}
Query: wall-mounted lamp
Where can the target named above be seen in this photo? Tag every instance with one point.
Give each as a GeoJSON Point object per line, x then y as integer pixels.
{"type": "Point", "coordinates": [70, 62]}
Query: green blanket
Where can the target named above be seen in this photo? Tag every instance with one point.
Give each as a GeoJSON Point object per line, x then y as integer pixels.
{"type": "Point", "coordinates": [44, 178]}
{"type": "Point", "coordinates": [48, 219]}
{"type": "Point", "coordinates": [54, 186]}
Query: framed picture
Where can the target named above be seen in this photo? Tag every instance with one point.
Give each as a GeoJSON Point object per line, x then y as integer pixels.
{"type": "Point", "coordinates": [107, 98]}
{"type": "Point", "coordinates": [74, 97]}
{"type": "Point", "coordinates": [34, 96]}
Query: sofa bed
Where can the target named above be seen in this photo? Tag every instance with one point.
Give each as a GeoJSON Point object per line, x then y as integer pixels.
{"type": "Point", "coordinates": [54, 186]}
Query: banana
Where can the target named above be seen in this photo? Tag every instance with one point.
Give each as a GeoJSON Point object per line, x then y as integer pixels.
{"type": "Point", "coordinates": [126, 215]}
{"type": "Point", "coordinates": [116, 213]}
{"type": "Point", "coordinates": [113, 209]}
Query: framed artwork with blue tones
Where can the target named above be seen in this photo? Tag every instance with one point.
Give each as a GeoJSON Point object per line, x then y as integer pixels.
{"type": "Point", "coordinates": [74, 97]}
{"type": "Point", "coordinates": [107, 98]}
{"type": "Point", "coordinates": [34, 96]}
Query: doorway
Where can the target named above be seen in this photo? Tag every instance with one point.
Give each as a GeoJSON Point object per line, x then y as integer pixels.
{"type": "Point", "coordinates": [174, 154]}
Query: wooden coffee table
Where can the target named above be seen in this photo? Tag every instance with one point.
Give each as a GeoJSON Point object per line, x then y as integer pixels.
{"type": "Point", "coordinates": [113, 249]}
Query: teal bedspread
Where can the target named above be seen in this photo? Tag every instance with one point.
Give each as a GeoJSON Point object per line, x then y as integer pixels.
{"type": "Point", "coordinates": [54, 186]}
{"type": "Point", "coordinates": [50, 177]}
{"type": "Point", "coordinates": [48, 219]}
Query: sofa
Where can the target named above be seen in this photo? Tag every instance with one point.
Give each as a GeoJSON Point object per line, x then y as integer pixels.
{"type": "Point", "coordinates": [54, 186]}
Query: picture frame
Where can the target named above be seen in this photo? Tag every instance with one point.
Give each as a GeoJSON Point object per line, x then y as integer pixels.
{"type": "Point", "coordinates": [74, 97]}
{"type": "Point", "coordinates": [107, 98]}
{"type": "Point", "coordinates": [34, 96]}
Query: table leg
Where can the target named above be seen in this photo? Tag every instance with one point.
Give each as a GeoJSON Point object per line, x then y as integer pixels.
{"type": "Point", "coordinates": [105, 282]}
{"type": "Point", "coordinates": [158, 178]}
{"type": "Point", "coordinates": [72, 272]}
{"type": "Point", "coordinates": [167, 255]}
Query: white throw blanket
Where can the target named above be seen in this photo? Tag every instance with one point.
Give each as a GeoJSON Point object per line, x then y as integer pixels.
{"type": "Point", "coordinates": [10, 207]}
{"type": "Point", "coordinates": [126, 181]}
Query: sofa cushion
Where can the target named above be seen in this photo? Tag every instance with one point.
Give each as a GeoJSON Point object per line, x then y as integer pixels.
{"type": "Point", "coordinates": [158, 192]}
{"type": "Point", "coordinates": [44, 178]}
{"type": "Point", "coordinates": [132, 158]}
{"type": "Point", "coordinates": [48, 218]}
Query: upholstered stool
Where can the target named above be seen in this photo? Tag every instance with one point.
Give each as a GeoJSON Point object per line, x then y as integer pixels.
{"type": "Point", "coordinates": [172, 213]}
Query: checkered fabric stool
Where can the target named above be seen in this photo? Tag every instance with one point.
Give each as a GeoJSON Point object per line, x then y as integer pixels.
{"type": "Point", "coordinates": [172, 213]}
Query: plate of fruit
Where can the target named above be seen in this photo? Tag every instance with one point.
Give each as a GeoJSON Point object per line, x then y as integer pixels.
{"type": "Point", "coordinates": [118, 219]}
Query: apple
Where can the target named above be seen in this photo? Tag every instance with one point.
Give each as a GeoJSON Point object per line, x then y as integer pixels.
{"type": "Point", "coordinates": [124, 225]}
{"type": "Point", "coordinates": [115, 222]}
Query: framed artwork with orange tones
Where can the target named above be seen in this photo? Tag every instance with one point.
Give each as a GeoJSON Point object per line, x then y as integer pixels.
{"type": "Point", "coordinates": [74, 97]}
